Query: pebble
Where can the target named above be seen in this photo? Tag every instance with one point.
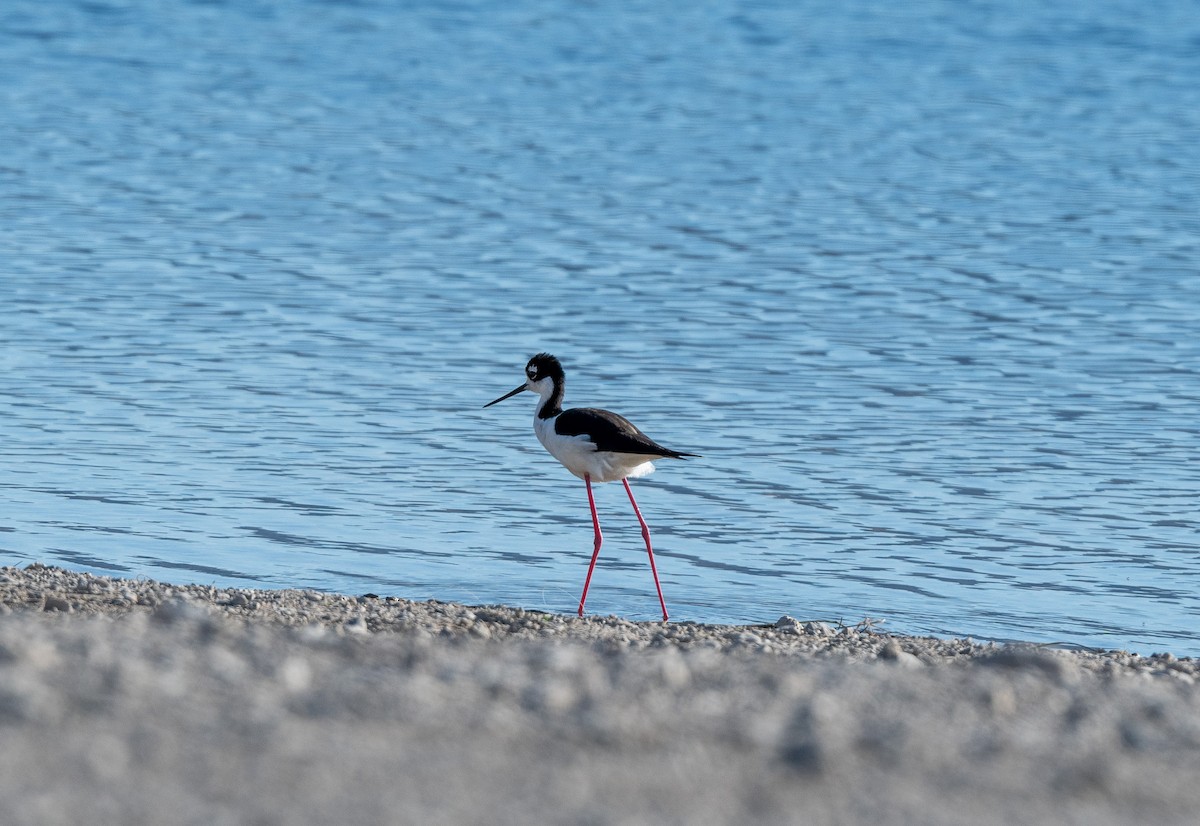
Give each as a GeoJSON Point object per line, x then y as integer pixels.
{"type": "Point", "coordinates": [1026, 657]}
{"type": "Point", "coordinates": [786, 623]}
{"type": "Point", "coordinates": [237, 599]}
{"type": "Point", "coordinates": [357, 626]}
{"type": "Point", "coordinates": [56, 603]}
{"type": "Point", "coordinates": [892, 652]}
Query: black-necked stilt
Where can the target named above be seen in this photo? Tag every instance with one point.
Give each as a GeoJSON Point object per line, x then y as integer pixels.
{"type": "Point", "coordinates": [595, 445]}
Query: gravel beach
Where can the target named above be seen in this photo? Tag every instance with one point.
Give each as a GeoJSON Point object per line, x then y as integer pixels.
{"type": "Point", "coordinates": [133, 701]}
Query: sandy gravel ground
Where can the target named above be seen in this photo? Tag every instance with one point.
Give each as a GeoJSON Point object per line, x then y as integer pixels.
{"type": "Point", "coordinates": [135, 702]}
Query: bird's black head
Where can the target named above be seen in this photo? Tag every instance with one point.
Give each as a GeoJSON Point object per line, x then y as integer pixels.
{"type": "Point", "coordinates": [544, 366]}
{"type": "Point", "coordinates": [544, 376]}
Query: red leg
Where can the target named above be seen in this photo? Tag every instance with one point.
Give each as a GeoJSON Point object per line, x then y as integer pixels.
{"type": "Point", "coordinates": [587, 480]}
{"type": "Point", "coordinates": [649, 550]}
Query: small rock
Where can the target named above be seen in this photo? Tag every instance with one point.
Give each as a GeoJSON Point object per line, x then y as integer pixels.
{"type": "Point", "coordinates": [56, 603]}
{"type": "Point", "coordinates": [673, 669]}
{"type": "Point", "coordinates": [1090, 775]}
{"type": "Point", "coordinates": [295, 674]}
{"type": "Point", "coordinates": [312, 632]}
{"type": "Point", "coordinates": [817, 629]}
{"type": "Point", "coordinates": [807, 743]}
{"type": "Point", "coordinates": [892, 652]}
{"type": "Point", "coordinates": [358, 625]}
{"type": "Point", "coordinates": [786, 623]}
{"type": "Point", "coordinates": [553, 695]}
{"type": "Point", "coordinates": [15, 705]}
{"type": "Point", "coordinates": [1000, 700]}
{"type": "Point", "coordinates": [236, 600]}
{"type": "Point", "coordinates": [179, 610]}
{"type": "Point", "coordinates": [1019, 656]}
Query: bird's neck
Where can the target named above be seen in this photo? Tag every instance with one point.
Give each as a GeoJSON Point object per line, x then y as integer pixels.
{"type": "Point", "coordinates": [550, 402]}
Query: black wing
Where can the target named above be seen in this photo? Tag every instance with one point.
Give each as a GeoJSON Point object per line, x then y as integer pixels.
{"type": "Point", "coordinates": [610, 432]}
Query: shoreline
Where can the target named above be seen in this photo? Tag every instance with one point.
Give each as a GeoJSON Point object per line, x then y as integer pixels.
{"type": "Point", "coordinates": [55, 590]}
{"type": "Point", "coordinates": [137, 701]}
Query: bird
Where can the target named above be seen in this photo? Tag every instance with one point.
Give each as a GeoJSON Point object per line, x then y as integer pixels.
{"type": "Point", "coordinates": [595, 445]}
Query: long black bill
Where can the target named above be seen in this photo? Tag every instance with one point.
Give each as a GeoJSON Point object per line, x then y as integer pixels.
{"type": "Point", "coordinates": [506, 396]}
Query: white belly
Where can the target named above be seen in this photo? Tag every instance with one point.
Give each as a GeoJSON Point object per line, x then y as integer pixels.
{"type": "Point", "coordinates": [578, 454]}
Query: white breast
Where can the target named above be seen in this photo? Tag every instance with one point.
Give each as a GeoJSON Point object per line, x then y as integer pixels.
{"type": "Point", "coordinates": [578, 454]}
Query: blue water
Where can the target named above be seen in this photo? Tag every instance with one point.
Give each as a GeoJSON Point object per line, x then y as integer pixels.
{"type": "Point", "coordinates": [918, 280]}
